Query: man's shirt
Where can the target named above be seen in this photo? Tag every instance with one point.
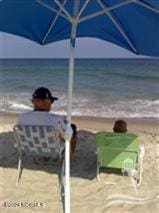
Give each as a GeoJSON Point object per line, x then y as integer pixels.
{"type": "Point", "coordinates": [43, 118]}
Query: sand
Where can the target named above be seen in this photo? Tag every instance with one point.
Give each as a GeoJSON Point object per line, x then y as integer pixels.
{"type": "Point", "coordinates": [38, 190]}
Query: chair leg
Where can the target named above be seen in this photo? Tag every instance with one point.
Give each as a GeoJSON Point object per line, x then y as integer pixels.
{"type": "Point", "coordinates": [61, 177]}
{"type": "Point", "coordinates": [19, 170]}
{"type": "Point", "coordinates": [98, 166]}
{"type": "Point", "coordinates": [62, 180]}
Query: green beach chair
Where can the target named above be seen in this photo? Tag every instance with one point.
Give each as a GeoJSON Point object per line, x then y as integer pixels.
{"type": "Point", "coordinates": [39, 142]}
{"type": "Point", "coordinates": [120, 151]}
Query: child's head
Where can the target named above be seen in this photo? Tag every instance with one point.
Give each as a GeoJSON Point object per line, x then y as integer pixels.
{"type": "Point", "coordinates": [120, 126]}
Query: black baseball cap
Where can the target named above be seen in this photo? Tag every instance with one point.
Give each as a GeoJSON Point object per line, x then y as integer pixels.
{"type": "Point", "coordinates": [43, 93]}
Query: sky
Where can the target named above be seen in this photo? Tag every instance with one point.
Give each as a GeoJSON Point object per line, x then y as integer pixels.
{"type": "Point", "coordinates": [16, 47]}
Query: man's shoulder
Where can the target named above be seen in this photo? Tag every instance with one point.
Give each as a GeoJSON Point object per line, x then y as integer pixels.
{"type": "Point", "coordinates": [40, 117]}
{"type": "Point", "coordinates": [22, 117]}
{"type": "Point", "coordinates": [58, 118]}
{"type": "Point", "coordinates": [24, 114]}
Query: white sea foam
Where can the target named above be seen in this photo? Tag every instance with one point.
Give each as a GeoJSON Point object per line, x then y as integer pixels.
{"type": "Point", "coordinates": [135, 108]}
{"type": "Point", "coordinates": [14, 106]}
{"type": "Point", "coordinates": [17, 106]}
{"type": "Point", "coordinates": [87, 107]}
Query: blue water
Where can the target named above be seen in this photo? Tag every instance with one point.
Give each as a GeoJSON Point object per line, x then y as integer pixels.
{"type": "Point", "coordinates": [102, 87]}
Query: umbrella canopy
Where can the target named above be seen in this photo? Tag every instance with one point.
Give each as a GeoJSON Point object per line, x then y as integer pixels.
{"type": "Point", "coordinates": [131, 24]}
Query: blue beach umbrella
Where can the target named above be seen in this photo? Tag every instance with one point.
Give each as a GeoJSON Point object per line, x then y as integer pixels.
{"type": "Point", "coordinates": [131, 24]}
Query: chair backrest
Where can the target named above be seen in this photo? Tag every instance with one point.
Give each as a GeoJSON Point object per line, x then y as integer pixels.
{"type": "Point", "coordinates": [38, 140]}
{"type": "Point", "coordinates": [128, 141]}
{"type": "Point", "coordinates": [118, 150]}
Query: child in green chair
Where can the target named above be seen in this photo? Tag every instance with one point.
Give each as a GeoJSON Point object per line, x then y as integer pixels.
{"type": "Point", "coordinates": [120, 126]}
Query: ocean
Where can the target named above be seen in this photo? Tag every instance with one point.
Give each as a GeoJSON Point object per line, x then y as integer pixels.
{"type": "Point", "coordinates": [112, 88]}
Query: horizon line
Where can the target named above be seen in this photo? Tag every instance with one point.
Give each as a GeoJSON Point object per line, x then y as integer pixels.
{"type": "Point", "coordinates": [79, 58]}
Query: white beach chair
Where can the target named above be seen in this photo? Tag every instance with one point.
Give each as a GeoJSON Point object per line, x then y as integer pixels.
{"type": "Point", "coordinates": [40, 141]}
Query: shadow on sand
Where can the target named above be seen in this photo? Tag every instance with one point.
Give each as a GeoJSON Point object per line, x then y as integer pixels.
{"type": "Point", "coordinates": [83, 162]}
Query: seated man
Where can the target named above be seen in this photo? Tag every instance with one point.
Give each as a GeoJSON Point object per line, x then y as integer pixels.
{"type": "Point", "coordinates": [42, 100]}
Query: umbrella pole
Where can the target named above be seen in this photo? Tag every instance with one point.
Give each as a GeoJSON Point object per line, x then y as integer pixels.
{"type": "Point", "coordinates": [69, 110]}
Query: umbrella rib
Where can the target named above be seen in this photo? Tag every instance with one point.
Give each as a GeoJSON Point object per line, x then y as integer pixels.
{"type": "Point", "coordinates": [50, 8]}
{"type": "Point", "coordinates": [120, 29]}
{"type": "Point", "coordinates": [98, 13]}
{"type": "Point", "coordinates": [83, 8]}
{"type": "Point", "coordinates": [52, 24]}
{"type": "Point", "coordinates": [146, 6]}
{"type": "Point", "coordinates": [64, 10]}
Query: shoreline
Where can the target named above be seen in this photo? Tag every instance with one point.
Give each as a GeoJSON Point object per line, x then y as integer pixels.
{"type": "Point", "coordinates": [95, 123]}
